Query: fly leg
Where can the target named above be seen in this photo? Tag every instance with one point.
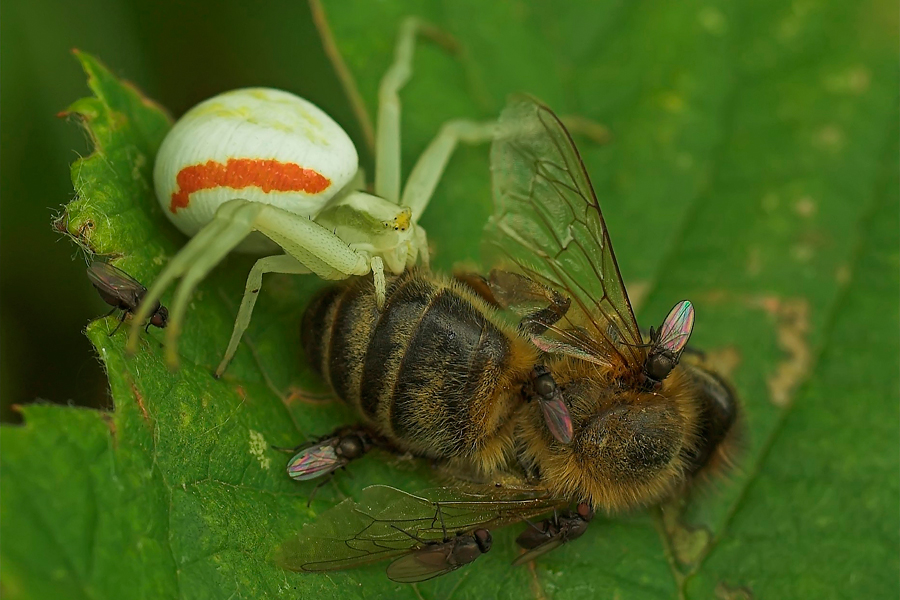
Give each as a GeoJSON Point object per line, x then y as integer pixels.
{"type": "Point", "coordinates": [121, 320]}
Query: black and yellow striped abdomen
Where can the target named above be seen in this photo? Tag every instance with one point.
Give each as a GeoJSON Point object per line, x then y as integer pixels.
{"type": "Point", "coordinates": [436, 372]}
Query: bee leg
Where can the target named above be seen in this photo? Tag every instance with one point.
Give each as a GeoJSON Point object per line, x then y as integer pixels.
{"type": "Point", "coordinates": [511, 288]}
{"type": "Point", "coordinates": [478, 284]}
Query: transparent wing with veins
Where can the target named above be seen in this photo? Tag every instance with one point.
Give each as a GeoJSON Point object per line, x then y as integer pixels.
{"type": "Point", "coordinates": [381, 525]}
{"type": "Point", "coordinates": [676, 329]}
{"type": "Point", "coordinates": [314, 461]}
{"type": "Point", "coordinates": [116, 282]}
{"type": "Point", "coordinates": [548, 222]}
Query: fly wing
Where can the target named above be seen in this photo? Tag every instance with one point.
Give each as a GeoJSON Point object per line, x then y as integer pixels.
{"type": "Point", "coordinates": [676, 329]}
{"type": "Point", "coordinates": [557, 418]}
{"type": "Point", "coordinates": [547, 221]}
{"type": "Point", "coordinates": [385, 523]}
{"type": "Point", "coordinates": [116, 282]}
{"type": "Point", "coordinates": [422, 565]}
{"type": "Point", "coordinates": [314, 461]}
{"type": "Point", "coordinates": [551, 544]}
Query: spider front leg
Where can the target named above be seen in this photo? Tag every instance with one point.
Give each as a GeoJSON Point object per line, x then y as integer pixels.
{"type": "Point", "coordinates": [316, 248]}
{"type": "Point", "coordinates": [427, 171]}
{"type": "Point", "coordinates": [387, 135]}
{"type": "Point", "coordinates": [431, 164]}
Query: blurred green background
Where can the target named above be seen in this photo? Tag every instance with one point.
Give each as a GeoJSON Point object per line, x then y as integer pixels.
{"type": "Point", "coordinates": [178, 53]}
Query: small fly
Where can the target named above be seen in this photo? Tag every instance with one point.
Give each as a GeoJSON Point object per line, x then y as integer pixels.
{"type": "Point", "coordinates": [123, 292]}
{"type": "Point", "coordinates": [667, 343]}
{"type": "Point", "coordinates": [554, 532]}
{"type": "Point", "coordinates": [329, 454]}
{"type": "Point", "coordinates": [434, 558]}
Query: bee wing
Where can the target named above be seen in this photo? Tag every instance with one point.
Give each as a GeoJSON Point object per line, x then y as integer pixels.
{"type": "Point", "coordinates": [550, 544]}
{"type": "Point", "coordinates": [422, 565]}
{"type": "Point", "coordinates": [676, 329]}
{"type": "Point", "coordinates": [548, 222]}
{"type": "Point", "coordinates": [116, 282]}
{"type": "Point", "coordinates": [314, 461]}
{"type": "Point", "coordinates": [385, 523]}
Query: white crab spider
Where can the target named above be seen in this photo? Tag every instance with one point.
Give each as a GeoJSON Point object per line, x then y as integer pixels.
{"type": "Point", "coordinates": [260, 163]}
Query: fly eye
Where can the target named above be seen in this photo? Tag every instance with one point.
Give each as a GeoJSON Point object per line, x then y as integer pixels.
{"type": "Point", "coordinates": [545, 386]}
{"type": "Point", "coordinates": [659, 366]}
{"type": "Point", "coordinates": [483, 539]}
{"type": "Point", "coordinates": [585, 511]}
{"type": "Point", "coordinates": [351, 446]}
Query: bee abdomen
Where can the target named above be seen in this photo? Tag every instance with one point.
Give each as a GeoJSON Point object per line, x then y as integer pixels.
{"type": "Point", "coordinates": [447, 377]}
{"type": "Point", "coordinates": [336, 329]}
{"type": "Point", "coordinates": [428, 371]}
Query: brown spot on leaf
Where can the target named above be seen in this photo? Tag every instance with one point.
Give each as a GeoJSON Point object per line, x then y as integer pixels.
{"type": "Point", "coordinates": [754, 261]}
{"type": "Point", "coordinates": [688, 543]}
{"type": "Point", "coordinates": [637, 293]}
{"type": "Point", "coordinates": [534, 583]}
{"type": "Point", "coordinates": [842, 274]}
{"type": "Point", "coordinates": [805, 207]}
{"type": "Point", "coordinates": [793, 330]}
{"type": "Point", "coordinates": [726, 592]}
{"type": "Point", "coordinates": [724, 361]}
{"type": "Point", "coordinates": [140, 402]}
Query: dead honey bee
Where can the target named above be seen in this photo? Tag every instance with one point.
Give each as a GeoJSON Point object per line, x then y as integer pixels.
{"type": "Point", "coordinates": [572, 402]}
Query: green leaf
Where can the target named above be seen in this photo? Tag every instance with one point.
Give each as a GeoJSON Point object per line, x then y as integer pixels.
{"type": "Point", "coordinates": [752, 169]}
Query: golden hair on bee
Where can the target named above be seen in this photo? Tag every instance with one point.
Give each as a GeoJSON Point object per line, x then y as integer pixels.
{"type": "Point", "coordinates": [572, 403]}
{"type": "Point", "coordinates": [437, 372]}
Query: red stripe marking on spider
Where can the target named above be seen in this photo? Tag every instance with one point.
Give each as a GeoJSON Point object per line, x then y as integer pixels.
{"type": "Point", "coordinates": [238, 173]}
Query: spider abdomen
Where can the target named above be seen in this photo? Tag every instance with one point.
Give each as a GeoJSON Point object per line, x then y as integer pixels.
{"type": "Point", "coordinates": [258, 144]}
